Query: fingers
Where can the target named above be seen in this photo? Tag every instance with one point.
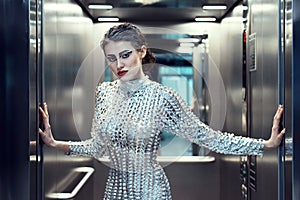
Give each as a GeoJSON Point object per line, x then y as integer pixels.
{"type": "Point", "coordinates": [279, 137]}
{"type": "Point", "coordinates": [44, 116]}
{"type": "Point", "coordinates": [277, 117]}
{"type": "Point", "coordinates": [46, 109]}
{"type": "Point", "coordinates": [277, 134]}
{"type": "Point", "coordinates": [41, 132]}
{"type": "Point", "coordinates": [278, 113]}
{"type": "Point", "coordinates": [281, 134]}
{"type": "Point", "coordinates": [44, 113]}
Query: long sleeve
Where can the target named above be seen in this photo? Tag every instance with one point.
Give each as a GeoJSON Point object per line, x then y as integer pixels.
{"type": "Point", "coordinates": [91, 147]}
{"type": "Point", "coordinates": [94, 146]}
{"type": "Point", "coordinates": [176, 117]}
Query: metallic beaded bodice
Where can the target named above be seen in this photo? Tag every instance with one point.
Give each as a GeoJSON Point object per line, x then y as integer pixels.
{"type": "Point", "coordinates": [127, 124]}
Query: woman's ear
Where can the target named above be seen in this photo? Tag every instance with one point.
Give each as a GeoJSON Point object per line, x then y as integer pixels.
{"type": "Point", "coordinates": [143, 51]}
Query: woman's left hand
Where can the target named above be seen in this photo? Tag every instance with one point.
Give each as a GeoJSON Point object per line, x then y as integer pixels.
{"type": "Point", "coordinates": [277, 134]}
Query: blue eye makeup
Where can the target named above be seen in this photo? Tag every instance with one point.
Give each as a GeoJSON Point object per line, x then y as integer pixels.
{"type": "Point", "coordinates": [123, 55]}
{"type": "Point", "coordinates": [111, 58]}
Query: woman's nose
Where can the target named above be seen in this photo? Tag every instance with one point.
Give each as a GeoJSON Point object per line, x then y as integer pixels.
{"type": "Point", "coordinates": [120, 64]}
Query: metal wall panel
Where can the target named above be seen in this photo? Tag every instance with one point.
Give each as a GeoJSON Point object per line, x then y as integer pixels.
{"type": "Point", "coordinates": [14, 87]}
{"type": "Point", "coordinates": [265, 81]}
{"type": "Point", "coordinates": [287, 99]}
{"type": "Point", "coordinates": [67, 42]}
{"type": "Point", "coordinates": [36, 162]}
{"type": "Point", "coordinates": [69, 39]}
{"type": "Point", "coordinates": [263, 92]}
{"type": "Point", "coordinates": [232, 74]}
{"type": "Point", "coordinates": [296, 99]}
{"type": "Point", "coordinates": [262, 98]}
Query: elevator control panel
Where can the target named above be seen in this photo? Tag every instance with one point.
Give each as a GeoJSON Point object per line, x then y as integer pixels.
{"type": "Point", "coordinates": [247, 176]}
{"type": "Point", "coordinates": [244, 177]}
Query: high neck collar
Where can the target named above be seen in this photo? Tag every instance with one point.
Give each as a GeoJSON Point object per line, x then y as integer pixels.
{"type": "Point", "coordinates": [133, 85]}
{"type": "Point", "coordinates": [135, 81]}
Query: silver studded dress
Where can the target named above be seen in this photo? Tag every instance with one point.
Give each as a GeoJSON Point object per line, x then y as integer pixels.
{"type": "Point", "coordinates": [128, 121]}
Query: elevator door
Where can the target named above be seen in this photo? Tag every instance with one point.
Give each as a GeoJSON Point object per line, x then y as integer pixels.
{"type": "Point", "coordinates": [35, 98]}
{"type": "Point", "coordinates": [270, 84]}
{"type": "Point", "coordinates": [57, 50]}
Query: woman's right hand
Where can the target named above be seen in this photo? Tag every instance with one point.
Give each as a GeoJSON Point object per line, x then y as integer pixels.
{"type": "Point", "coordinates": [46, 134]}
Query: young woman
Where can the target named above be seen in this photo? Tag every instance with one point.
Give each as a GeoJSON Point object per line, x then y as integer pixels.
{"type": "Point", "coordinates": [130, 114]}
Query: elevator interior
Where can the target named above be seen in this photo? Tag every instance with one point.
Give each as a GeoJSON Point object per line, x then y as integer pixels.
{"type": "Point", "coordinates": [238, 84]}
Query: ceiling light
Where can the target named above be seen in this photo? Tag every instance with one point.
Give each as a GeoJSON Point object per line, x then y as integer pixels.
{"type": "Point", "coordinates": [146, 1]}
{"type": "Point", "coordinates": [214, 7]}
{"type": "Point", "coordinates": [205, 19]}
{"type": "Point", "coordinates": [108, 19]}
{"type": "Point", "coordinates": [234, 19]}
{"type": "Point", "coordinates": [188, 40]}
{"type": "Point", "coordinates": [100, 7]}
{"type": "Point", "coordinates": [187, 44]}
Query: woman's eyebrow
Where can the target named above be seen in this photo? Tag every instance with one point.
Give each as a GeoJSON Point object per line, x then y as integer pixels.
{"type": "Point", "coordinates": [124, 51]}
{"type": "Point", "coordinates": [120, 53]}
{"type": "Point", "coordinates": [110, 55]}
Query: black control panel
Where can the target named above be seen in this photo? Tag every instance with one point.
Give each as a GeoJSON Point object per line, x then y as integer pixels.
{"type": "Point", "coordinates": [244, 177]}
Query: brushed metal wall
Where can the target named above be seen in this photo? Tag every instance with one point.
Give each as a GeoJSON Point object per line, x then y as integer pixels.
{"type": "Point", "coordinates": [262, 99]}
{"type": "Point", "coordinates": [296, 103]}
{"type": "Point", "coordinates": [271, 85]}
{"type": "Point", "coordinates": [67, 41]}
{"type": "Point", "coordinates": [263, 92]}
{"type": "Point", "coordinates": [231, 68]}
{"type": "Point", "coordinates": [70, 38]}
{"type": "Point", "coordinates": [14, 103]}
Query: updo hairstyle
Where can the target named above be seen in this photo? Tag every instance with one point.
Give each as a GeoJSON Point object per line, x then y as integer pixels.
{"type": "Point", "coordinates": [129, 32]}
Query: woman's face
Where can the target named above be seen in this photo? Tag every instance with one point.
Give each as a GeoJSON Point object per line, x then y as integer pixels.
{"type": "Point", "coordinates": [124, 60]}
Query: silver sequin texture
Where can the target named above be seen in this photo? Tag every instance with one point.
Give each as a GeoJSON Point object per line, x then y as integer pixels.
{"type": "Point", "coordinates": [127, 124]}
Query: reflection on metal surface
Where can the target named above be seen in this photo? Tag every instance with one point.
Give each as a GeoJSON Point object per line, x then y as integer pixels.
{"type": "Point", "coordinates": [84, 172]}
{"type": "Point", "coordinates": [34, 158]}
{"type": "Point", "coordinates": [252, 52]}
{"type": "Point", "coordinates": [63, 9]}
{"type": "Point", "coordinates": [289, 146]}
{"type": "Point", "coordinates": [191, 159]}
{"type": "Point", "coordinates": [177, 159]}
{"type": "Point", "coordinates": [67, 40]}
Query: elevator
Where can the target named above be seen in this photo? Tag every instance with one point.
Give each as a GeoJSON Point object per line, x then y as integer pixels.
{"type": "Point", "coordinates": [50, 53]}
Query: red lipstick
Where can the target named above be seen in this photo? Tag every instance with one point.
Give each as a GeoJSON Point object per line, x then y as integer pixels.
{"type": "Point", "coordinates": [122, 72]}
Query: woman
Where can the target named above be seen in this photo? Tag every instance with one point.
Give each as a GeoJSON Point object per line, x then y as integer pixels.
{"type": "Point", "coordinates": [130, 114]}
